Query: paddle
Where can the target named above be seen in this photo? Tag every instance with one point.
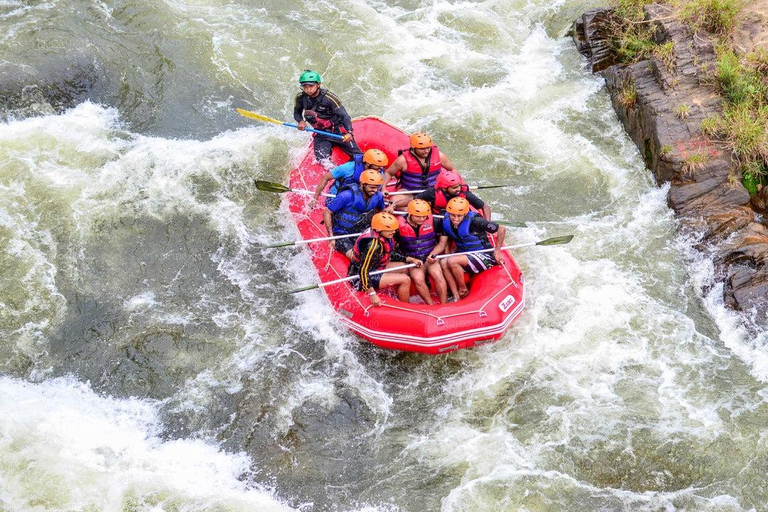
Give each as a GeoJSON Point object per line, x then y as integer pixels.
{"type": "Point", "coordinates": [310, 240]}
{"type": "Point", "coordinates": [268, 186]}
{"type": "Point", "coordinates": [259, 117]}
{"type": "Point", "coordinates": [472, 187]}
{"type": "Point", "coordinates": [558, 240]}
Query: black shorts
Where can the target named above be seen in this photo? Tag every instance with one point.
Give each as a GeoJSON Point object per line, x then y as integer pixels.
{"type": "Point", "coordinates": [479, 262]}
{"type": "Point", "coordinates": [324, 147]}
{"type": "Point", "coordinates": [345, 244]}
{"type": "Point", "coordinates": [373, 281]}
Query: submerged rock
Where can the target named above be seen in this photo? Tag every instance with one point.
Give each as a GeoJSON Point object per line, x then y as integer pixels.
{"type": "Point", "coordinates": [48, 87]}
{"type": "Point", "coordinates": [662, 104]}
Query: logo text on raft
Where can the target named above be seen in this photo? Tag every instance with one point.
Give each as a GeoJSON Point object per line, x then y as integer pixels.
{"type": "Point", "coordinates": [507, 303]}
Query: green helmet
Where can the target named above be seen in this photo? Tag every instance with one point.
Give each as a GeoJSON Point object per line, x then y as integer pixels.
{"type": "Point", "coordinates": [309, 76]}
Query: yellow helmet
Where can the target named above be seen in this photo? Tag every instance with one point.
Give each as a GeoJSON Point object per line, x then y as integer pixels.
{"type": "Point", "coordinates": [384, 221]}
{"type": "Point", "coordinates": [376, 157]}
{"type": "Point", "coordinates": [457, 206]}
{"type": "Point", "coordinates": [371, 177]}
{"type": "Point", "coordinates": [419, 207]}
{"type": "Point", "coordinates": [420, 140]}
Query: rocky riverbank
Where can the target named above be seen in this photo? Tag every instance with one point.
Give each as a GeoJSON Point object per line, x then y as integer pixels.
{"type": "Point", "coordinates": [662, 103]}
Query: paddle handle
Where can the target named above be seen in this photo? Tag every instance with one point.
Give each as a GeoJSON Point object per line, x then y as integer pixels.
{"type": "Point", "coordinates": [350, 278]}
{"type": "Point", "coordinates": [472, 187]}
{"type": "Point", "coordinates": [548, 241]}
{"type": "Point", "coordinates": [328, 134]}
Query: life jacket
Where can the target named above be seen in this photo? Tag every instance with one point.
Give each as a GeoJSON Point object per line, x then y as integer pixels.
{"type": "Point", "coordinates": [386, 243]}
{"type": "Point", "coordinates": [441, 199]}
{"type": "Point", "coordinates": [357, 158]}
{"type": "Point", "coordinates": [322, 116]}
{"type": "Point", "coordinates": [465, 239]}
{"type": "Point", "coordinates": [347, 219]}
{"type": "Point", "coordinates": [416, 177]}
{"type": "Point", "coordinates": [417, 246]}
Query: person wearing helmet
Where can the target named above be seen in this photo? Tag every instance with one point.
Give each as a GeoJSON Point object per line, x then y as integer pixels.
{"type": "Point", "coordinates": [323, 110]}
{"type": "Point", "coordinates": [417, 238]}
{"type": "Point", "coordinates": [470, 232]}
{"type": "Point", "coordinates": [418, 165]}
{"type": "Point", "coordinates": [351, 210]}
{"type": "Point", "coordinates": [350, 172]}
{"type": "Point", "coordinates": [447, 186]}
{"type": "Point", "coordinates": [374, 250]}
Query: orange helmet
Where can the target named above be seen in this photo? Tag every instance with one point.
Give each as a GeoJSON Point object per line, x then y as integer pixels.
{"type": "Point", "coordinates": [371, 177]}
{"type": "Point", "coordinates": [421, 140]}
{"type": "Point", "coordinates": [376, 157]}
{"type": "Point", "coordinates": [457, 206]}
{"type": "Point", "coordinates": [384, 221]}
{"type": "Point", "coordinates": [419, 207]}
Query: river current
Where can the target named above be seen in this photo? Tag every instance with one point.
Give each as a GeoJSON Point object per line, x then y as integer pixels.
{"type": "Point", "coordinates": [150, 358]}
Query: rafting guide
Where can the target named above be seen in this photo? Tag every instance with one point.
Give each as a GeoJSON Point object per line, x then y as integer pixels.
{"type": "Point", "coordinates": [323, 111]}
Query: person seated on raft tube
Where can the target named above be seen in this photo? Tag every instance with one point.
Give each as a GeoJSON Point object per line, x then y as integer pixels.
{"type": "Point", "coordinates": [417, 166]}
{"type": "Point", "coordinates": [323, 110]}
{"type": "Point", "coordinates": [449, 185]}
{"type": "Point", "coordinates": [417, 238]}
{"type": "Point", "coordinates": [351, 209]}
{"type": "Point", "coordinates": [350, 172]}
{"type": "Point", "coordinates": [470, 232]}
{"type": "Point", "coordinates": [372, 251]}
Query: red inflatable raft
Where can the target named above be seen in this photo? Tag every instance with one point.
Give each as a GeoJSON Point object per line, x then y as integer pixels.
{"type": "Point", "coordinates": [495, 299]}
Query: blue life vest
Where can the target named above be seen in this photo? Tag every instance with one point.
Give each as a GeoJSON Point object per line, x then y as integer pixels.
{"type": "Point", "coordinates": [355, 178]}
{"type": "Point", "coordinates": [347, 219]}
{"type": "Point", "coordinates": [466, 240]}
{"type": "Point", "coordinates": [417, 246]}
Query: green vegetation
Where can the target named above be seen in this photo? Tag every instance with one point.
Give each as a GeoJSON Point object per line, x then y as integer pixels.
{"type": "Point", "coordinates": [633, 37]}
{"type": "Point", "coordinates": [742, 125]}
{"type": "Point", "coordinates": [683, 111]}
{"type": "Point", "coordinates": [694, 162]}
{"type": "Point", "coordinates": [714, 16]}
{"type": "Point", "coordinates": [709, 125]}
{"type": "Point", "coordinates": [628, 94]}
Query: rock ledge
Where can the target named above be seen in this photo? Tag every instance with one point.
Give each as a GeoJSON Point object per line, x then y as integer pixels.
{"type": "Point", "coordinates": [662, 105]}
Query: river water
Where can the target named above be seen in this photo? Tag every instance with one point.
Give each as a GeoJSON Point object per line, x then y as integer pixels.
{"type": "Point", "coordinates": [151, 360]}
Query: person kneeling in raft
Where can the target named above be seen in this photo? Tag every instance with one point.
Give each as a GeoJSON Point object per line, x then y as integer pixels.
{"type": "Point", "coordinates": [417, 237]}
{"type": "Point", "coordinates": [372, 251]}
{"type": "Point", "coordinates": [470, 232]}
{"type": "Point", "coordinates": [349, 211]}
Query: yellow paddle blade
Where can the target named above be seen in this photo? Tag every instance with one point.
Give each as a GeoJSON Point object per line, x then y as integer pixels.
{"type": "Point", "coordinates": [258, 117]}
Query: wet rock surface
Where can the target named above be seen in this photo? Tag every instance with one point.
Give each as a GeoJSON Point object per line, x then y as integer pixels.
{"type": "Point", "coordinates": [662, 105]}
{"type": "Point", "coordinates": [49, 86]}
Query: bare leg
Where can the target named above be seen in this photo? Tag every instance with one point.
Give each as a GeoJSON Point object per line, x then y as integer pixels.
{"type": "Point", "coordinates": [449, 278]}
{"type": "Point", "coordinates": [455, 265]}
{"type": "Point", "coordinates": [401, 281]}
{"type": "Point", "coordinates": [436, 273]}
{"type": "Point", "coordinates": [418, 275]}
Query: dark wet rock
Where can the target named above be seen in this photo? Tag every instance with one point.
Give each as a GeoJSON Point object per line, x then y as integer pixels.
{"type": "Point", "coordinates": [49, 86]}
{"type": "Point", "coordinates": [590, 29]}
{"type": "Point", "coordinates": [662, 104]}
